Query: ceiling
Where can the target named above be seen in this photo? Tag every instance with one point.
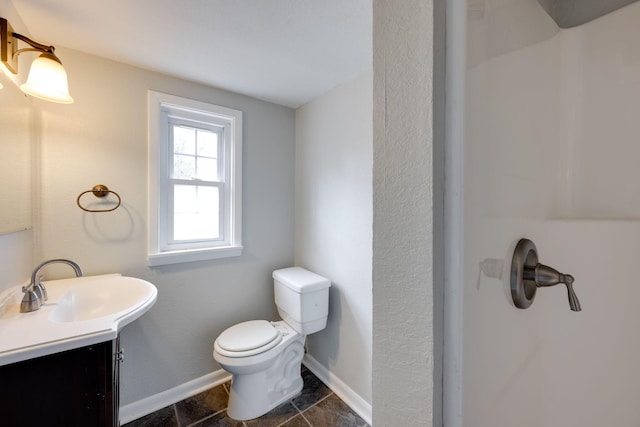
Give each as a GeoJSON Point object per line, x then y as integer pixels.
{"type": "Point", "coordinates": [283, 51]}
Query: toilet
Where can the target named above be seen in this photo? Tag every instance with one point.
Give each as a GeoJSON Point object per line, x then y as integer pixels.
{"type": "Point", "coordinates": [265, 357]}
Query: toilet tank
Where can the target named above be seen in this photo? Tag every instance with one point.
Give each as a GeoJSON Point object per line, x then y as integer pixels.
{"type": "Point", "coordinates": [302, 298]}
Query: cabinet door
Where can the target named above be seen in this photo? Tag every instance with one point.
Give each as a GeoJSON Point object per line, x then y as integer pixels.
{"type": "Point", "coordinates": [72, 388]}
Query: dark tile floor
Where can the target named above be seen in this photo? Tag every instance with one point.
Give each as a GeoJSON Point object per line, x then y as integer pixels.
{"type": "Point", "coordinates": [315, 406]}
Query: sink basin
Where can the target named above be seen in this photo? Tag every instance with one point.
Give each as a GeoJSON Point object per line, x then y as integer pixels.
{"type": "Point", "coordinates": [80, 311]}
{"type": "Point", "coordinates": [106, 296]}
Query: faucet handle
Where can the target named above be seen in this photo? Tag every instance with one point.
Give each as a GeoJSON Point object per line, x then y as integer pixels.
{"type": "Point", "coordinates": [40, 290]}
{"type": "Point", "coordinates": [543, 276]}
{"type": "Point", "coordinates": [574, 304]}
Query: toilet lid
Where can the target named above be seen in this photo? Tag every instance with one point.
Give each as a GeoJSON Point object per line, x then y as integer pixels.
{"type": "Point", "coordinates": [247, 336]}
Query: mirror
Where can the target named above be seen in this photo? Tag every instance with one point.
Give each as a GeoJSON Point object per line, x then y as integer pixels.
{"type": "Point", "coordinates": [16, 133]}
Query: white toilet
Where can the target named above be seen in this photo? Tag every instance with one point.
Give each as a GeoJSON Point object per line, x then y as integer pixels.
{"type": "Point", "coordinates": [265, 357]}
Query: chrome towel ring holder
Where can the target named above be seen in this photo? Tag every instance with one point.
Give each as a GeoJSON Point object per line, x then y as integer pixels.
{"type": "Point", "coordinates": [99, 191]}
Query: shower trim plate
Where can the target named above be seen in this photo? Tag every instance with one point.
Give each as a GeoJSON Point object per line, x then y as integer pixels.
{"type": "Point", "coordinates": [525, 256]}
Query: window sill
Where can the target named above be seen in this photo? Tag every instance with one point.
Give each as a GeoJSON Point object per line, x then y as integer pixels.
{"type": "Point", "coordinates": [177, 257]}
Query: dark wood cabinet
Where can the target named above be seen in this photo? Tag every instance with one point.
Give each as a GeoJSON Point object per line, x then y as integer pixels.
{"type": "Point", "coordinates": [74, 388]}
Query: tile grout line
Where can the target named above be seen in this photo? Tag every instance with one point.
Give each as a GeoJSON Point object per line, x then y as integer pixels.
{"type": "Point", "coordinates": [301, 413]}
{"type": "Point", "coordinates": [305, 418]}
{"type": "Point", "coordinates": [175, 414]}
{"type": "Point", "coordinates": [315, 404]}
{"type": "Point", "coordinates": [290, 418]}
{"type": "Point", "coordinates": [207, 417]}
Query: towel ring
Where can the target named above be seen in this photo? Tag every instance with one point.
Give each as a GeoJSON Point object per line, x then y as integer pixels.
{"type": "Point", "coordinates": [99, 191]}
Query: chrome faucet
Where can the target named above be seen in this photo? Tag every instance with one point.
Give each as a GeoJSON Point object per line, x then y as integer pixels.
{"type": "Point", "coordinates": [36, 294]}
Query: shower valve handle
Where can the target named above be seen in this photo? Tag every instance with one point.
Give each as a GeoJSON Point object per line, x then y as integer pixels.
{"type": "Point", "coordinates": [544, 276]}
{"type": "Point", "coordinates": [527, 275]}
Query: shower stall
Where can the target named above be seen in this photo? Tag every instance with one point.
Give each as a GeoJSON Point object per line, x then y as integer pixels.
{"type": "Point", "coordinates": [543, 143]}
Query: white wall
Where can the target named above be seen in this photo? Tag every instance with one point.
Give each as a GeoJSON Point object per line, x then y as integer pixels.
{"type": "Point", "coordinates": [102, 139]}
{"type": "Point", "coordinates": [551, 131]}
{"type": "Point", "coordinates": [333, 228]}
{"type": "Point", "coordinates": [403, 338]}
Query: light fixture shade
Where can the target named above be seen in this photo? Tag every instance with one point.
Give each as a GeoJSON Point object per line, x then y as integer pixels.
{"type": "Point", "coordinates": [48, 80]}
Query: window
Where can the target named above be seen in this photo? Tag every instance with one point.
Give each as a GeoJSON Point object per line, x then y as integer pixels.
{"type": "Point", "coordinates": [195, 168]}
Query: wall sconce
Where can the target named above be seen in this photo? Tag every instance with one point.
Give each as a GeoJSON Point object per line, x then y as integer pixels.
{"type": "Point", "coordinates": [47, 78]}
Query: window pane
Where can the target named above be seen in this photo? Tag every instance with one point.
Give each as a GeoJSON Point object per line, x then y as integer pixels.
{"type": "Point", "coordinates": [184, 140]}
{"type": "Point", "coordinates": [207, 143]}
{"type": "Point", "coordinates": [207, 169]}
{"type": "Point", "coordinates": [196, 212]}
{"type": "Point", "coordinates": [184, 167]}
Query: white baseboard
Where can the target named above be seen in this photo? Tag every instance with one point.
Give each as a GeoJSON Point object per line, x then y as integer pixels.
{"type": "Point", "coordinates": [343, 391]}
{"type": "Point", "coordinates": [146, 406]}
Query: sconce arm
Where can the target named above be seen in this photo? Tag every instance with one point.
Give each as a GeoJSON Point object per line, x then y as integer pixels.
{"type": "Point", "coordinates": [35, 46]}
{"type": "Point", "coordinates": [9, 46]}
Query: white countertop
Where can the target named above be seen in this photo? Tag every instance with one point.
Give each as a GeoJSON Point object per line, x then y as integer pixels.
{"type": "Point", "coordinates": [28, 335]}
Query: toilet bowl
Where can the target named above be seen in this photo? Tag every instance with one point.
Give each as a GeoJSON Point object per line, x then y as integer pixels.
{"type": "Point", "coordinates": [271, 368]}
{"type": "Point", "coordinates": [265, 357]}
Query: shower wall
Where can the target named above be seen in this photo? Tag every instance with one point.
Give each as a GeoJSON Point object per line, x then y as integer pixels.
{"type": "Point", "coordinates": [550, 147]}
{"type": "Point", "coordinates": [601, 79]}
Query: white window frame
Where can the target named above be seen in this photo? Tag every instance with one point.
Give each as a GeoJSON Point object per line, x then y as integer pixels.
{"type": "Point", "coordinates": [163, 109]}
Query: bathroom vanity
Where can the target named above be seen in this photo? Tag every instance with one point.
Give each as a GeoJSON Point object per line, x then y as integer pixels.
{"type": "Point", "coordinates": [77, 387]}
{"type": "Point", "coordinates": [59, 365]}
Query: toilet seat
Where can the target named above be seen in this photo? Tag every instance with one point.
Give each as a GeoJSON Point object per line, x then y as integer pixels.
{"type": "Point", "coordinates": [247, 339]}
